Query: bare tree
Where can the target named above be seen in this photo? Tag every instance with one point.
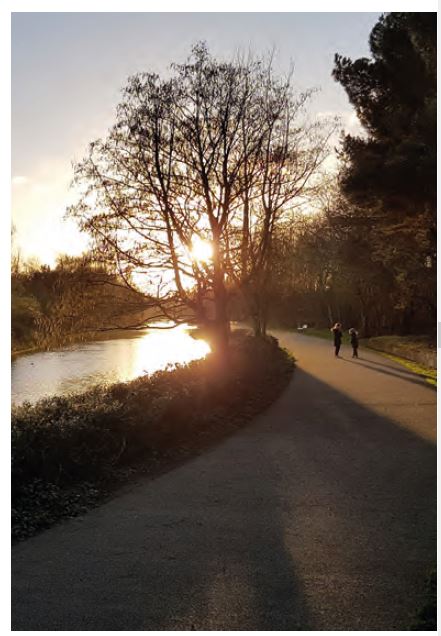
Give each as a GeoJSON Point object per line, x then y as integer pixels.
{"type": "Point", "coordinates": [286, 174]}
{"type": "Point", "coordinates": [211, 157]}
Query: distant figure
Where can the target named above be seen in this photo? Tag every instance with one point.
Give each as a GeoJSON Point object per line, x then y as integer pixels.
{"type": "Point", "coordinates": [354, 342]}
{"type": "Point", "coordinates": [336, 330]}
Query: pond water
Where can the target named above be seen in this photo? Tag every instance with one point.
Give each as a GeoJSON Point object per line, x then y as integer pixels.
{"type": "Point", "coordinates": [78, 367]}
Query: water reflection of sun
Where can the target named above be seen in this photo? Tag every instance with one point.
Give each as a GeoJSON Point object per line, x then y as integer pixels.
{"type": "Point", "coordinates": [159, 348]}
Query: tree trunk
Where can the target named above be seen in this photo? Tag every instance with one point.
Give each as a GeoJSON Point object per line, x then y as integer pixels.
{"type": "Point", "coordinates": [221, 337]}
{"type": "Point", "coordinates": [220, 344]}
{"type": "Point", "coordinates": [257, 325]}
{"type": "Point", "coordinates": [260, 314]}
{"type": "Point", "coordinates": [221, 324]}
{"type": "Point", "coordinates": [264, 318]}
{"type": "Point", "coordinates": [330, 317]}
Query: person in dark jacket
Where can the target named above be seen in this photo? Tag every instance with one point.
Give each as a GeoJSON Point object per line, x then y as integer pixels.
{"type": "Point", "coordinates": [336, 330]}
{"type": "Point", "coordinates": [354, 342]}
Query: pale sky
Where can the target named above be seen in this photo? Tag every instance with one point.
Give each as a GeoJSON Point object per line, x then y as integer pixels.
{"type": "Point", "coordinates": [68, 70]}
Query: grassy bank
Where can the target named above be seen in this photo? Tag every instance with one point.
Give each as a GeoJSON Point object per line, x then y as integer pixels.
{"type": "Point", "coordinates": [416, 353]}
{"type": "Point", "coordinates": [430, 375]}
{"type": "Point", "coordinates": [418, 349]}
{"type": "Point", "coordinates": [69, 453]}
{"type": "Point", "coordinates": [407, 344]}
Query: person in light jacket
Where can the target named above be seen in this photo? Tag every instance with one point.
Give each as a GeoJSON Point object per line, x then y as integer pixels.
{"type": "Point", "coordinates": [336, 330]}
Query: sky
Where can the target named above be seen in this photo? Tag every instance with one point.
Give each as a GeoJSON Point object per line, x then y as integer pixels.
{"type": "Point", "coordinates": [68, 70]}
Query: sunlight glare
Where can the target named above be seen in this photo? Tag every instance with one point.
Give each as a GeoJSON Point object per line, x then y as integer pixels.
{"type": "Point", "coordinates": [201, 251]}
{"type": "Point", "coordinates": [158, 349]}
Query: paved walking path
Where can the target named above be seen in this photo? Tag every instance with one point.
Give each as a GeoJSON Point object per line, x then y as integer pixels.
{"type": "Point", "coordinates": [320, 515]}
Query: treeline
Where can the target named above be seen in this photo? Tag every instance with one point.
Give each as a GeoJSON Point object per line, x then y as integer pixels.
{"type": "Point", "coordinates": [224, 155]}
{"type": "Point", "coordinates": [331, 268]}
{"type": "Point", "coordinates": [70, 302]}
{"type": "Point", "coordinates": [369, 258]}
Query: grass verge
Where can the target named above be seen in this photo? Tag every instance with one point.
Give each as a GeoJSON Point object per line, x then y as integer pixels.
{"type": "Point", "coordinates": [406, 343]}
{"type": "Point", "coordinates": [411, 352]}
{"type": "Point", "coordinates": [430, 375]}
{"type": "Point", "coordinates": [70, 453]}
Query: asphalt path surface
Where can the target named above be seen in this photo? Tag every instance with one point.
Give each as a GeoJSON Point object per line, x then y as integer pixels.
{"type": "Point", "coordinates": [321, 515]}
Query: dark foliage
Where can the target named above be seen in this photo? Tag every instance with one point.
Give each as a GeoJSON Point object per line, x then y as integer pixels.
{"type": "Point", "coordinates": [67, 303]}
{"type": "Point", "coordinates": [394, 95]}
{"type": "Point", "coordinates": [389, 174]}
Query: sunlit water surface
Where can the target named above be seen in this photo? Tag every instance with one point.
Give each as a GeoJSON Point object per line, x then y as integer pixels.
{"type": "Point", "coordinates": [79, 367]}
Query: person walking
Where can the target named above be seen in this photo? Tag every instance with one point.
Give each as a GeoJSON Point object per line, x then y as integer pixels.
{"type": "Point", "coordinates": [354, 342]}
{"type": "Point", "coordinates": [336, 330]}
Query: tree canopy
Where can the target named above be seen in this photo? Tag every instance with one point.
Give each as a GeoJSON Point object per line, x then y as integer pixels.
{"type": "Point", "coordinates": [185, 193]}
{"type": "Point", "coordinates": [389, 173]}
{"type": "Point", "coordinates": [394, 96]}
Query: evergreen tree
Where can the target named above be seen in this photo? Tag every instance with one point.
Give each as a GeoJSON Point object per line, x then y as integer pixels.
{"type": "Point", "coordinates": [389, 173]}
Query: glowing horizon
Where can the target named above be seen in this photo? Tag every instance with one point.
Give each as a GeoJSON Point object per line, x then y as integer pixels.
{"type": "Point", "coordinates": [75, 64]}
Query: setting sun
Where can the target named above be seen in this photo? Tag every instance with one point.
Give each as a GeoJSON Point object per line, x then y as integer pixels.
{"type": "Point", "coordinates": [201, 251]}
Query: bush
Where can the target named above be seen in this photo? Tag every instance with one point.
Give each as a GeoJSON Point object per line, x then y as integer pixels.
{"type": "Point", "coordinates": [67, 450]}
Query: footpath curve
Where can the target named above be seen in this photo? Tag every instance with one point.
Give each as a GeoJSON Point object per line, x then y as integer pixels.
{"type": "Point", "coordinates": [320, 515]}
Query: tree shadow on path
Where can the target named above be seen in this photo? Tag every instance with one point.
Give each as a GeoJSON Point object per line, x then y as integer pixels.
{"type": "Point", "coordinates": [320, 515]}
{"type": "Point", "coordinates": [395, 366]}
{"type": "Point", "coordinates": [404, 375]}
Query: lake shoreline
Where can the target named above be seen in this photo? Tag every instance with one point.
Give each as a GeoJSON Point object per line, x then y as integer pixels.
{"type": "Point", "coordinates": [99, 336]}
{"type": "Point", "coordinates": [115, 356]}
